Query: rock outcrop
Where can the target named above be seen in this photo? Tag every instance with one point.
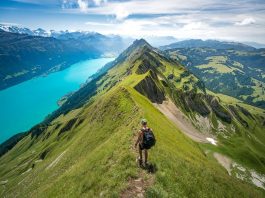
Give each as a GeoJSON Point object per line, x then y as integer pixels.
{"type": "Point", "coordinates": [237, 116]}
{"type": "Point", "coordinates": [149, 88]}
{"type": "Point", "coordinates": [220, 111]}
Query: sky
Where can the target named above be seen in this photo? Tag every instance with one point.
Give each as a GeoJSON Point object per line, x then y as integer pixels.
{"type": "Point", "coordinates": [237, 20]}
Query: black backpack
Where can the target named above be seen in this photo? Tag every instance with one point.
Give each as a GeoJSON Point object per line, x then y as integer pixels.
{"type": "Point", "coordinates": [148, 138]}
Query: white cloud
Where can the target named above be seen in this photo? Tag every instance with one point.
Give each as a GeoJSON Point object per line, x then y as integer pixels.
{"type": "Point", "coordinates": [206, 19]}
{"type": "Point", "coordinates": [246, 21]}
{"type": "Point", "coordinates": [152, 27]}
{"type": "Point", "coordinates": [92, 23]}
{"type": "Point", "coordinates": [99, 2]}
{"type": "Point", "coordinates": [121, 12]}
{"type": "Point", "coordinates": [83, 5]}
{"type": "Point", "coordinates": [193, 26]}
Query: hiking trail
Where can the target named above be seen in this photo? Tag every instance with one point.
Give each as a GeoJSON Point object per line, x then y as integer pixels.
{"type": "Point", "coordinates": [145, 178]}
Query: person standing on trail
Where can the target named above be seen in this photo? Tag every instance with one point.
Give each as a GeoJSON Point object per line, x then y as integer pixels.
{"type": "Point", "coordinates": [145, 140]}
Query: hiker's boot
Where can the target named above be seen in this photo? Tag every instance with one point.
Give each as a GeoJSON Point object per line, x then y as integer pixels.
{"type": "Point", "coordinates": [145, 165]}
{"type": "Point", "coordinates": [140, 162]}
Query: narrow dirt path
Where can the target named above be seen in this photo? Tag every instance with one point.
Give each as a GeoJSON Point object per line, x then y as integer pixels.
{"type": "Point", "coordinates": [137, 186]}
{"type": "Point", "coordinates": [169, 109]}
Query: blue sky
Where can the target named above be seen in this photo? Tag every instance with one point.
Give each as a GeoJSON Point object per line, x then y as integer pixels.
{"type": "Point", "coordinates": [240, 20]}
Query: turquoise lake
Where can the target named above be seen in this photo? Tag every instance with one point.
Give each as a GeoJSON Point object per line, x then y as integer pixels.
{"type": "Point", "coordinates": [28, 103]}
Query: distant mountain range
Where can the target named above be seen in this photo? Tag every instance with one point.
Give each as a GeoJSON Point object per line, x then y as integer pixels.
{"type": "Point", "coordinates": [195, 43]}
{"type": "Point", "coordinates": [86, 35]}
{"type": "Point", "coordinates": [24, 30]}
{"type": "Point", "coordinates": [26, 53]}
{"type": "Point", "coordinates": [167, 42]}
{"type": "Point", "coordinates": [113, 44]}
{"type": "Point", "coordinates": [44, 33]}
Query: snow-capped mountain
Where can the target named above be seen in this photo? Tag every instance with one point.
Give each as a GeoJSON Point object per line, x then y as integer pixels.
{"type": "Point", "coordinates": [51, 33]}
{"type": "Point", "coordinates": [15, 29]}
{"type": "Point", "coordinates": [40, 32]}
{"type": "Point", "coordinates": [24, 30]}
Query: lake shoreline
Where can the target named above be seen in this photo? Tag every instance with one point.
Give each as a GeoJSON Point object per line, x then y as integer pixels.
{"type": "Point", "coordinates": [29, 103]}
{"type": "Point", "coordinates": [54, 69]}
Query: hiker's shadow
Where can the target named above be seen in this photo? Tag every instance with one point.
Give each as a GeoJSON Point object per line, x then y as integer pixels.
{"type": "Point", "coordinates": [151, 168]}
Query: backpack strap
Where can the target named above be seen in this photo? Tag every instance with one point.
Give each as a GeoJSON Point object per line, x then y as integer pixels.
{"type": "Point", "coordinates": [147, 129]}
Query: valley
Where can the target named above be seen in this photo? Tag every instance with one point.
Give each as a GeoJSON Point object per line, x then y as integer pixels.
{"type": "Point", "coordinates": [233, 69]}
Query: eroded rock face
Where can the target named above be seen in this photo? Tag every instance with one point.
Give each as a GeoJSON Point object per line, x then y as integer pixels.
{"type": "Point", "coordinates": [204, 104]}
{"type": "Point", "coordinates": [143, 68]}
{"type": "Point", "coordinates": [245, 112]}
{"type": "Point", "coordinates": [237, 116]}
{"type": "Point", "coordinates": [164, 83]}
{"type": "Point", "coordinates": [194, 102]}
{"type": "Point", "coordinates": [148, 88]}
{"type": "Point", "coordinates": [148, 63]}
{"type": "Point", "coordinates": [220, 111]}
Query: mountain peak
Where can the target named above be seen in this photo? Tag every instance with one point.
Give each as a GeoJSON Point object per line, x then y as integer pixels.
{"type": "Point", "coordinates": [141, 42]}
{"type": "Point", "coordinates": [137, 46]}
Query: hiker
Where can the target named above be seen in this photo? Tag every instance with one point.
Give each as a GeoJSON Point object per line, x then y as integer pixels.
{"type": "Point", "coordinates": [146, 140]}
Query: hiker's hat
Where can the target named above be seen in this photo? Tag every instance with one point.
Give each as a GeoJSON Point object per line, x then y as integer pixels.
{"type": "Point", "coordinates": [143, 121]}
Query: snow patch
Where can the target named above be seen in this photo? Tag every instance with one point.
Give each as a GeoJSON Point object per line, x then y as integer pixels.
{"type": "Point", "coordinates": [212, 141]}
